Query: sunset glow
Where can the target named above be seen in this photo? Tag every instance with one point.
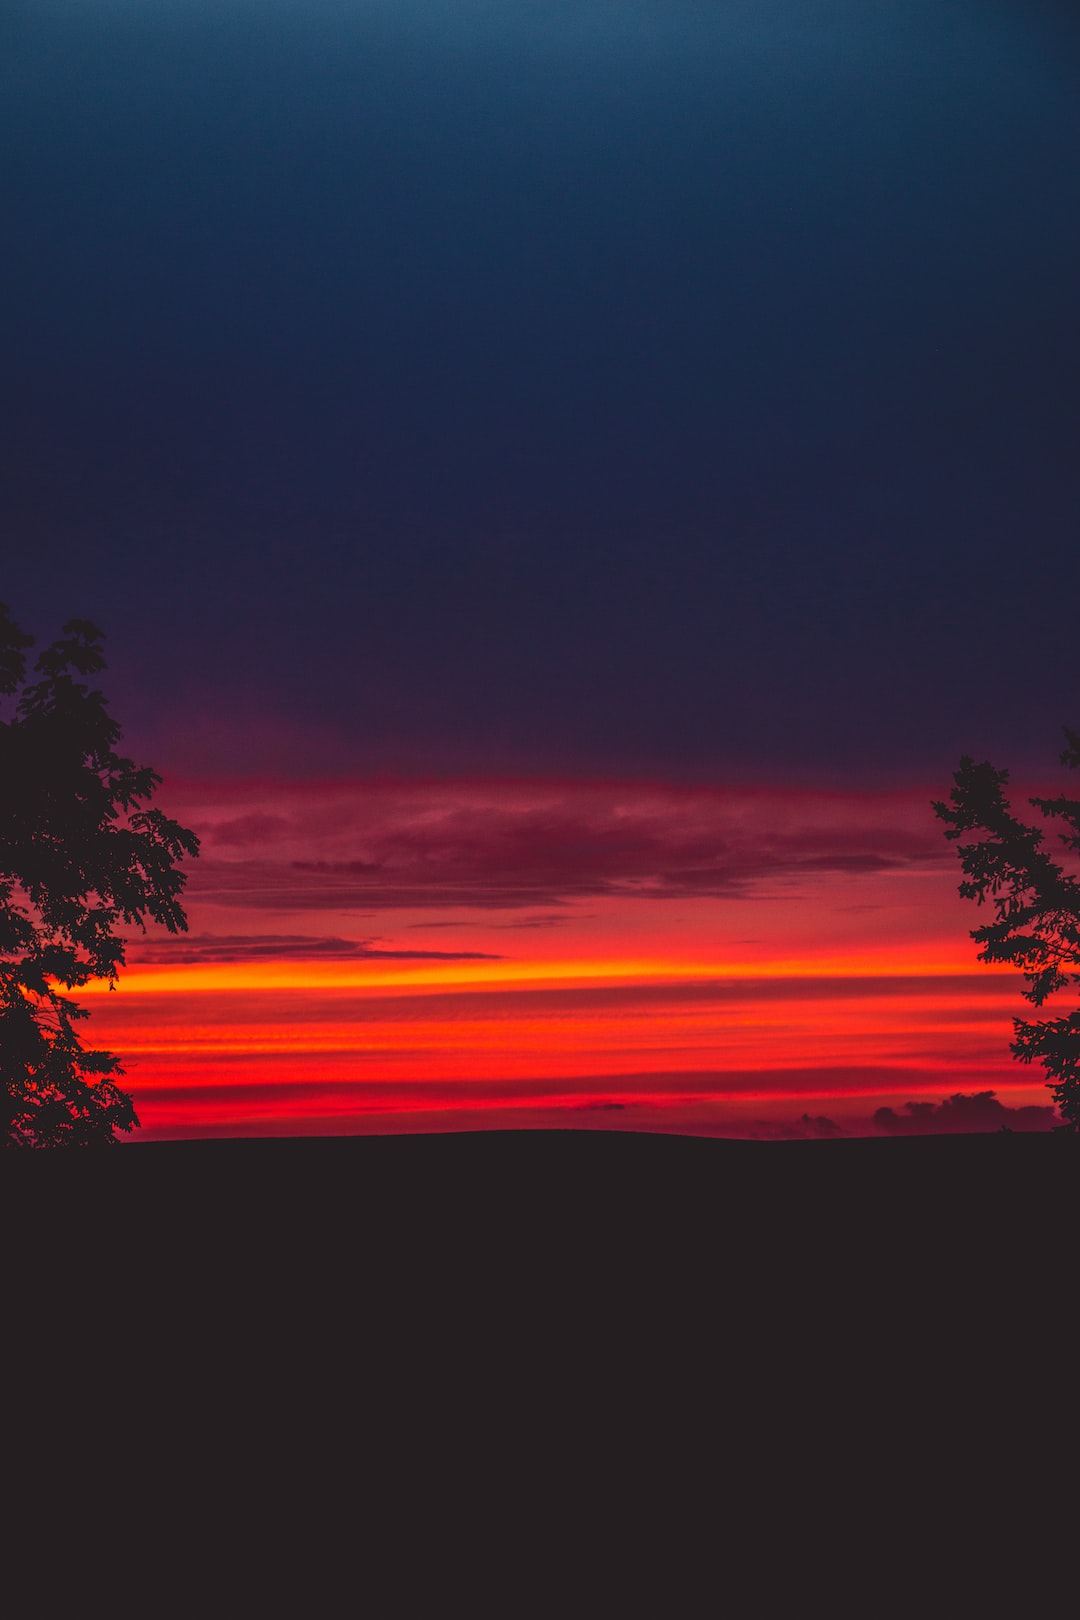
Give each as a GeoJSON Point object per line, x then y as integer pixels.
{"type": "Point", "coordinates": [633, 955]}
{"type": "Point", "coordinates": [559, 489]}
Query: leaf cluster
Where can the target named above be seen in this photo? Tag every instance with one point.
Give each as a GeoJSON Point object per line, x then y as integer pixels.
{"type": "Point", "coordinates": [80, 856]}
{"type": "Point", "coordinates": [1036, 903]}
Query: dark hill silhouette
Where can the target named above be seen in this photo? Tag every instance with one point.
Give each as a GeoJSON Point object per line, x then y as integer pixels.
{"type": "Point", "coordinates": [491, 1358]}
{"type": "Point", "coordinates": [317, 1236]}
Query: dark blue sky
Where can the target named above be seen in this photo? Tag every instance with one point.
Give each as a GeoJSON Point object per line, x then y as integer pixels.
{"type": "Point", "coordinates": [603, 385]}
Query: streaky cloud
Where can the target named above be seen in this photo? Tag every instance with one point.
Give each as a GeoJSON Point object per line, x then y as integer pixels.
{"type": "Point", "coordinates": [543, 845]}
{"type": "Point", "coordinates": [281, 947]}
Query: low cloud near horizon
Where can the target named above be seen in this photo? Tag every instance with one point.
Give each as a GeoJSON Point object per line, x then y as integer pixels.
{"type": "Point", "coordinates": [808, 1127]}
{"type": "Point", "coordinates": [964, 1112]}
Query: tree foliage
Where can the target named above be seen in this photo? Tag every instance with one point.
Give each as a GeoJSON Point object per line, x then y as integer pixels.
{"type": "Point", "coordinates": [1036, 904]}
{"type": "Point", "coordinates": [79, 857]}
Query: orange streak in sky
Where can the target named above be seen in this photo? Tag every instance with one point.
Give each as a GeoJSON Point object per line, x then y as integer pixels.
{"type": "Point", "coordinates": [332, 977]}
{"type": "Point", "coordinates": [285, 975]}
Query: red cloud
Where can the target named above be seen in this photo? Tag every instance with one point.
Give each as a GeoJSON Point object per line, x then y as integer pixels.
{"type": "Point", "coordinates": [174, 949]}
{"type": "Point", "coordinates": [501, 846]}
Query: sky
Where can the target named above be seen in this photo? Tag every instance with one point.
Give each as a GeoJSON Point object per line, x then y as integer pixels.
{"type": "Point", "coordinates": [563, 482]}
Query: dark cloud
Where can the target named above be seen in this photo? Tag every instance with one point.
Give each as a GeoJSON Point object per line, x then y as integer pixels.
{"type": "Point", "coordinates": [964, 1111]}
{"type": "Point", "coordinates": [513, 858]}
{"type": "Point", "coordinates": [819, 1125]}
{"type": "Point", "coordinates": [413, 850]}
{"type": "Point", "coordinates": [177, 948]}
{"type": "Point", "coordinates": [808, 1127]}
{"type": "Point", "coordinates": [548, 919]}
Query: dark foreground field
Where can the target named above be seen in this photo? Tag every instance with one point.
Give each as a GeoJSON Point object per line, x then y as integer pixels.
{"type": "Point", "coordinates": [573, 1222]}
{"type": "Point", "coordinates": [548, 1336]}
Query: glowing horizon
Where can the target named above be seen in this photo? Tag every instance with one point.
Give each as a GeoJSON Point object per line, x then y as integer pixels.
{"type": "Point", "coordinates": [385, 955]}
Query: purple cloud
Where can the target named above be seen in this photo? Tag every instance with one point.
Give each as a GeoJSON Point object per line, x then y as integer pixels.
{"type": "Point", "coordinates": [963, 1112]}
{"type": "Point", "coordinates": [539, 846]}
{"type": "Point", "coordinates": [174, 949]}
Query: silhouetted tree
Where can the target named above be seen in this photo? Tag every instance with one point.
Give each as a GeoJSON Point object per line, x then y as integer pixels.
{"type": "Point", "coordinates": [77, 858]}
{"type": "Point", "coordinates": [1037, 905]}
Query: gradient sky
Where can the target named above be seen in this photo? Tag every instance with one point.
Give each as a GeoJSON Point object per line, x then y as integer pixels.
{"type": "Point", "coordinates": [563, 484]}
